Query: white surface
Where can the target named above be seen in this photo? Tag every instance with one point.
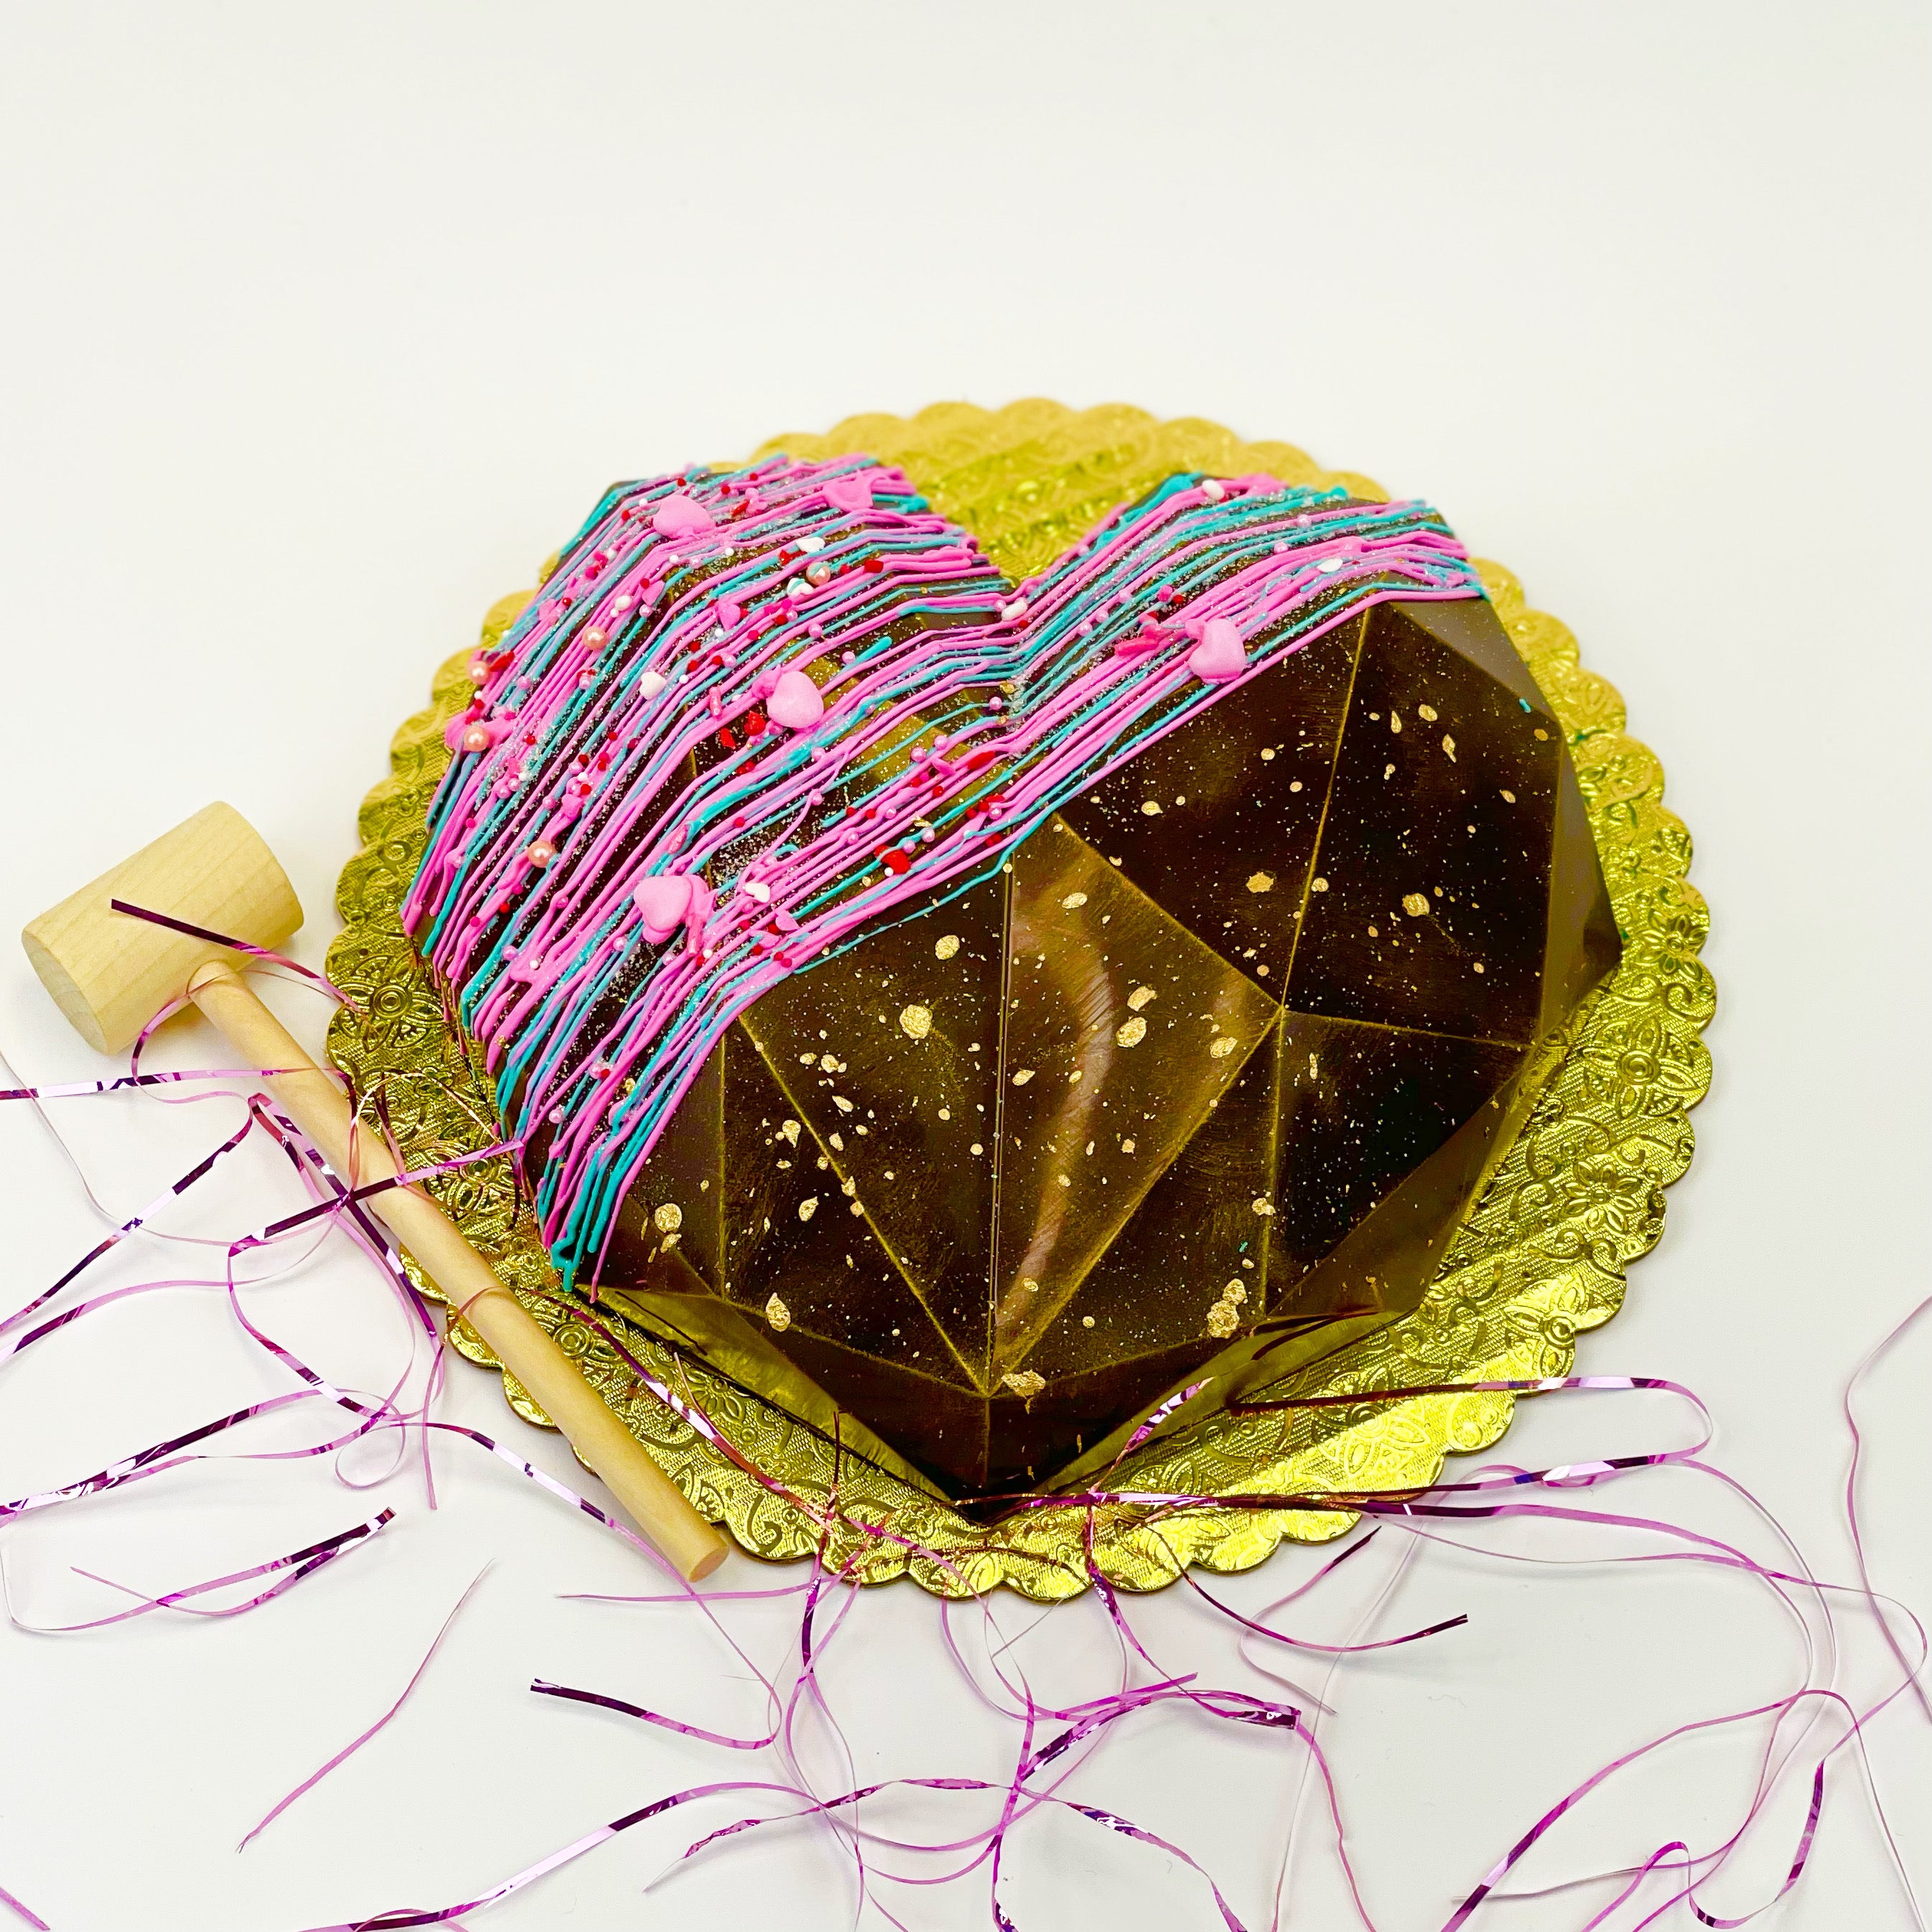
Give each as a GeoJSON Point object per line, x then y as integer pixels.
{"type": "Point", "coordinates": [321, 325]}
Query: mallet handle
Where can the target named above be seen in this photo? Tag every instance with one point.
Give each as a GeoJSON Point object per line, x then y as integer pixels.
{"type": "Point", "coordinates": [320, 1107]}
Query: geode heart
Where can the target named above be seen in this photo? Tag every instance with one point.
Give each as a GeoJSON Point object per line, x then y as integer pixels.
{"type": "Point", "coordinates": [1011, 1006]}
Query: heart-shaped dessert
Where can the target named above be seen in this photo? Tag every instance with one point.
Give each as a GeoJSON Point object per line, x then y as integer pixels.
{"type": "Point", "coordinates": [1009, 1004]}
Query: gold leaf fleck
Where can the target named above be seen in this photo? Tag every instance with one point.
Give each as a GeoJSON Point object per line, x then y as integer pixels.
{"type": "Point", "coordinates": [806, 1209]}
{"type": "Point", "coordinates": [1223, 1318]}
{"type": "Point", "coordinates": [916, 1021]}
{"type": "Point", "coordinates": [1071, 901]}
{"type": "Point", "coordinates": [1021, 1078]}
{"type": "Point", "coordinates": [1263, 1205]}
{"type": "Point", "coordinates": [790, 1130]}
{"type": "Point", "coordinates": [1427, 712]}
{"type": "Point", "coordinates": [1318, 885]}
{"type": "Point", "coordinates": [1151, 806]}
{"type": "Point", "coordinates": [1415, 905]}
{"type": "Point", "coordinates": [1024, 1383]}
{"type": "Point", "coordinates": [1131, 1032]}
{"type": "Point", "coordinates": [1141, 996]}
{"type": "Point", "coordinates": [1221, 1045]}
{"type": "Point", "coordinates": [1261, 882]}
{"type": "Point", "coordinates": [668, 1219]}
{"type": "Point", "coordinates": [946, 946]}
{"type": "Point", "coordinates": [1235, 1291]}
{"type": "Point", "coordinates": [777, 1315]}
{"type": "Point", "coordinates": [1449, 746]}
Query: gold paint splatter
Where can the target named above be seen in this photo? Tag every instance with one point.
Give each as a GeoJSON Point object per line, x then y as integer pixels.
{"type": "Point", "coordinates": [1221, 1045]}
{"type": "Point", "coordinates": [1415, 905]}
{"type": "Point", "coordinates": [1072, 900]}
{"type": "Point", "coordinates": [1086, 1321]}
{"type": "Point", "coordinates": [1479, 965]}
{"type": "Point", "coordinates": [1131, 1032]}
{"type": "Point", "coordinates": [1318, 885]}
{"type": "Point", "coordinates": [1151, 807]}
{"type": "Point", "coordinates": [1021, 1078]}
{"type": "Point", "coordinates": [1541, 734]}
{"type": "Point", "coordinates": [806, 1209]}
{"type": "Point", "coordinates": [1294, 784]}
{"type": "Point", "coordinates": [1449, 747]}
{"type": "Point", "coordinates": [946, 1113]}
{"type": "Point", "coordinates": [777, 1315]}
{"type": "Point", "coordinates": [978, 1146]}
{"type": "Point", "coordinates": [1024, 1383]}
{"type": "Point", "coordinates": [1268, 752]}
{"type": "Point", "coordinates": [916, 1022]}
{"type": "Point", "coordinates": [1141, 996]}
{"type": "Point", "coordinates": [1427, 712]}
{"type": "Point", "coordinates": [668, 1219]}
{"type": "Point", "coordinates": [946, 946]}
{"type": "Point", "coordinates": [1261, 882]}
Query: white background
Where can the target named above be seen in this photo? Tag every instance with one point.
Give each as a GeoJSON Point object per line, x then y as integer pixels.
{"type": "Point", "coordinates": [319, 326]}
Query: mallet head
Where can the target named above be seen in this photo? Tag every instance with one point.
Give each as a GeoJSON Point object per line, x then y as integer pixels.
{"type": "Point", "coordinates": [111, 974]}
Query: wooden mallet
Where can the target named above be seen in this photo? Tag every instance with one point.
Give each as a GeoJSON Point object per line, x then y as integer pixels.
{"type": "Point", "coordinates": [111, 974]}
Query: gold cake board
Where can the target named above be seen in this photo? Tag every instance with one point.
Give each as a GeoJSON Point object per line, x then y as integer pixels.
{"type": "Point", "coordinates": [1576, 1197]}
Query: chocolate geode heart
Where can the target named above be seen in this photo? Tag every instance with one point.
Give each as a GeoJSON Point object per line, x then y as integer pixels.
{"type": "Point", "coordinates": [1052, 1006]}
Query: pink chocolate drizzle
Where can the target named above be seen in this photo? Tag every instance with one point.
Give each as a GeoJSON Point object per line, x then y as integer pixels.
{"type": "Point", "coordinates": [753, 716]}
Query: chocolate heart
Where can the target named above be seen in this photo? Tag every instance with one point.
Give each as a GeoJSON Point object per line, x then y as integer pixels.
{"type": "Point", "coordinates": [1129, 975]}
